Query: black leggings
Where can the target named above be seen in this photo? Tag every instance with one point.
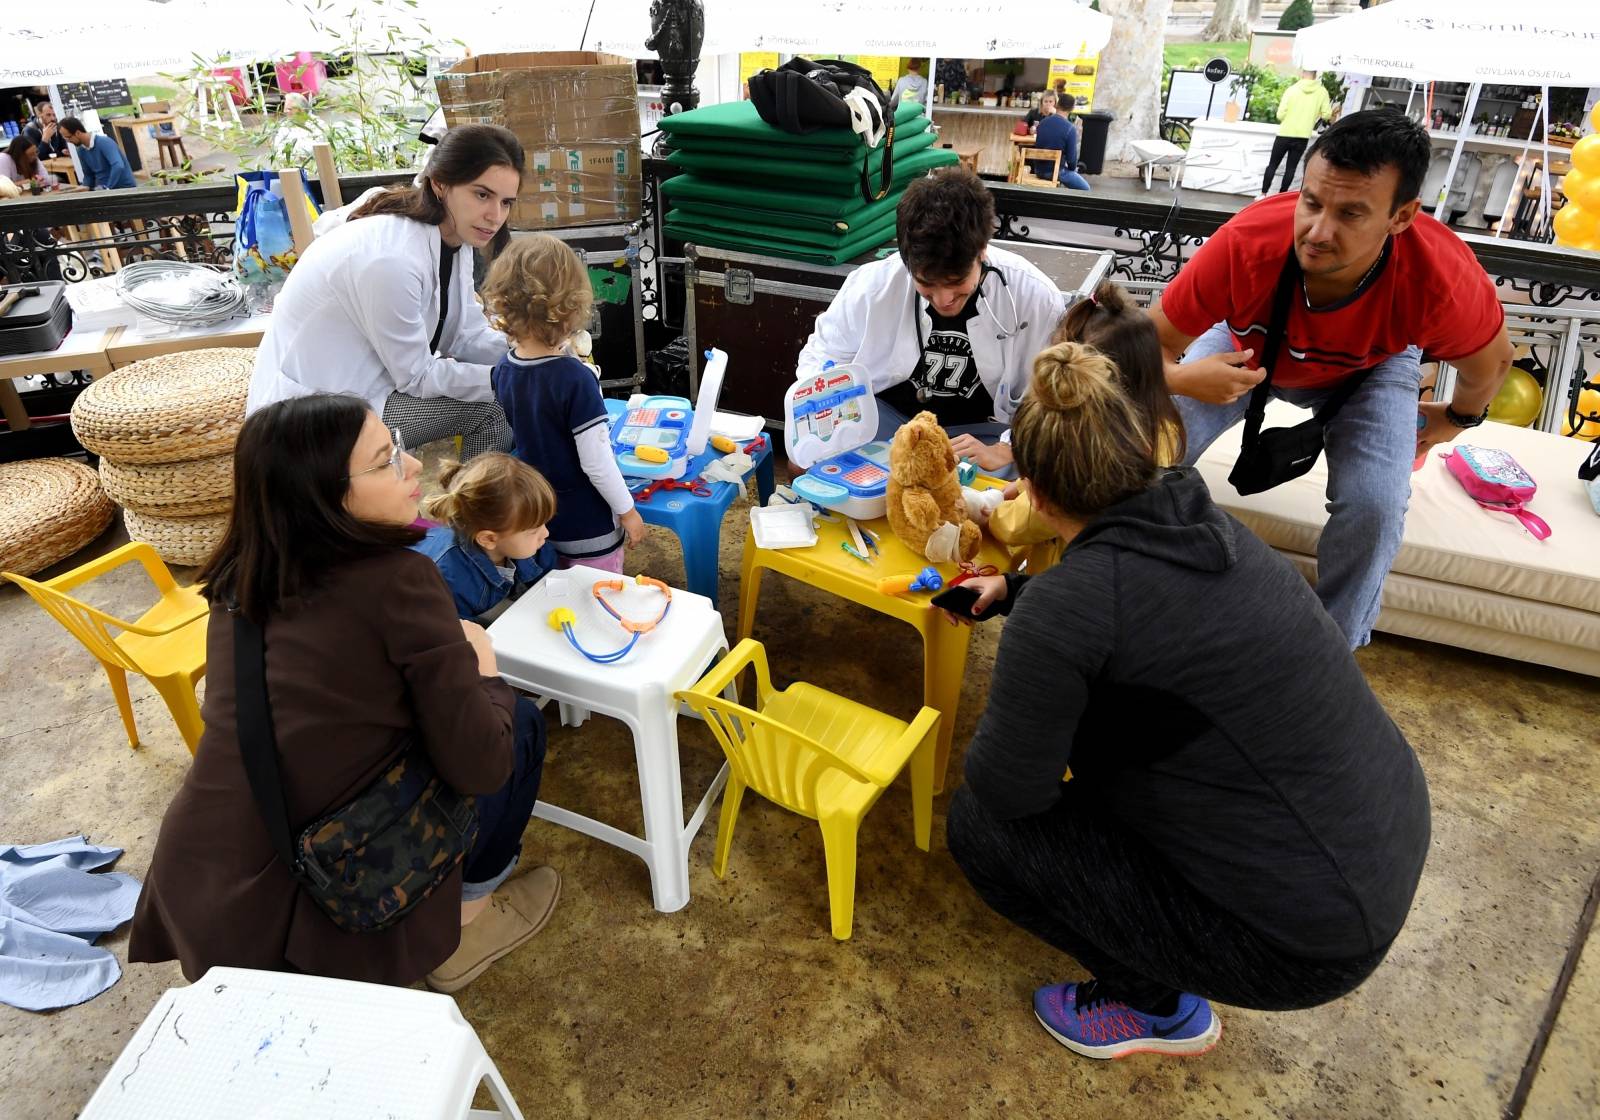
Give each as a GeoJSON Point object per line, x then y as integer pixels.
{"type": "Point", "coordinates": [1093, 891]}
{"type": "Point", "coordinates": [1292, 146]}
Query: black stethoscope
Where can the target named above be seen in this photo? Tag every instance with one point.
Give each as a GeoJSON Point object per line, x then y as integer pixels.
{"type": "Point", "coordinates": [985, 270]}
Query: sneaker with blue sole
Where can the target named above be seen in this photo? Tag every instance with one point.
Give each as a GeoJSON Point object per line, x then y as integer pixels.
{"type": "Point", "coordinates": [1088, 1022]}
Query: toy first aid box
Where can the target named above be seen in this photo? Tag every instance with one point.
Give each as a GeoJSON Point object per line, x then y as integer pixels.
{"type": "Point", "coordinates": [661, 423]}
{"type": "Point", "coordinates": [829, 425]}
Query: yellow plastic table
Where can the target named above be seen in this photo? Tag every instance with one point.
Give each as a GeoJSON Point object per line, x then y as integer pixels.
{"type": "Point", "coordinates": [827, 566]}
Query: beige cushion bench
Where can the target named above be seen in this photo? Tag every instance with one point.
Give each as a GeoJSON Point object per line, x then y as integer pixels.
{"type": "Point", "coordinates": [1464, 576]}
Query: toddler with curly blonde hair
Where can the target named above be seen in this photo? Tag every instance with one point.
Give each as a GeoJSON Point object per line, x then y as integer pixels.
{"type": "Point", "coordinates": [538, 293]}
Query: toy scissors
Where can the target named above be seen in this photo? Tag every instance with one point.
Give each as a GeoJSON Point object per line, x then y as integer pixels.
{"type": "Point", "coordinates": [696, 487]}
{"type": "Point", "coordinates": [969, 570]}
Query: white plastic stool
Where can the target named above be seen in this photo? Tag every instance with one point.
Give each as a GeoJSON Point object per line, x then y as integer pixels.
{"type": "Point", "coordinates": [637, 690]}
{"type": "Point", "coordinates": [1151, 154]}
{"type": "Point", "coordinates": [255, 1044]}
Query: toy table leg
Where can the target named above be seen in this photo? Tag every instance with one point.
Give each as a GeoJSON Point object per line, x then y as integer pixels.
{"type": "Point", "coordinates": [766, 481]}
{"type": "Point", "coordinates": [700, 534]}
{"type": "Point", "coordinates": [944, 664]}
{"type": "Point", "coordinates": [655, 743]}
{"type": "Point", "coordinates": [749, 589]}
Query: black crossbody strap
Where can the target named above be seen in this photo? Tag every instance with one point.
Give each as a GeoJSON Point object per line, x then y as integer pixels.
{"type": "Point", "coordinates": [1277, 327]}
{"type": "Point", "coordinates": [257, 742]}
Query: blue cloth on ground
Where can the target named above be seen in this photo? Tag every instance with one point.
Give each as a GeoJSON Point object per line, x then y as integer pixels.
{"type": "Point", "coordinates": [52, 909]}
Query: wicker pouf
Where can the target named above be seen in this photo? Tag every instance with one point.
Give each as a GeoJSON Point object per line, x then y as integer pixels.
{"type": "Point", "coordinates": [180, 540]}
{"type": "Point", "coordinates": [49, 509]}
{"type": "Point", "coordinates": [190, 489]}
{"type": "Point", "coordinates": [167, 409]}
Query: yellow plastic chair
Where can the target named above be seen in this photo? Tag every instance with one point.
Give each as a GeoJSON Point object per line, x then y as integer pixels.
{"type": "Point", "coordinates": [167, 645]}
{"type": "Point", "coordinates": [777, 749]}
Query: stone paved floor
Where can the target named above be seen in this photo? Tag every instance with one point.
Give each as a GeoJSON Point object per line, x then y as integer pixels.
{"type": "Point", "coordinates": [743, 1005]}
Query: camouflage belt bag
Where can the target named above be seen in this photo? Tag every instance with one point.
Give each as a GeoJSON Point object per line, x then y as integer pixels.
{"type": "Point", "coordinates": [370, 862]}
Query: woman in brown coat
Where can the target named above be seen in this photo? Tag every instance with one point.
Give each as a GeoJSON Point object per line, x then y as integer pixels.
{"type": "Point", "coordinates": [363, 652]}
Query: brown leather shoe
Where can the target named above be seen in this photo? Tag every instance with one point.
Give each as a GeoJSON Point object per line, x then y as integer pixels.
{"type": "Point", "coordinates": [516, 912]}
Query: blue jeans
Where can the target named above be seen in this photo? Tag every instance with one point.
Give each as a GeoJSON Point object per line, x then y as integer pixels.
{"type": "Point", "coordinates": [1370, 444]}
{"type": "Point", "coordinates": [1073, 181]}
{"type": "Point", "coordinates": [890, 419]}
{"type": "Point", "coordinates": [504, 814]}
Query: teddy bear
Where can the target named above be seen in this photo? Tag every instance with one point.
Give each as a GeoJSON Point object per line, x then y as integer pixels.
{"type": "Point", "coordinates": [926, 509]}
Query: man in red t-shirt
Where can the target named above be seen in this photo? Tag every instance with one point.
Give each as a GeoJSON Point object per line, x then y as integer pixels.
{"type": "Point", "coordinates": [1380, 284]}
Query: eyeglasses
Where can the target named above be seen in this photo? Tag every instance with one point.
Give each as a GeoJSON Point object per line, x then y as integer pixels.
{"type": "Point", "coordinates": [395, 462]}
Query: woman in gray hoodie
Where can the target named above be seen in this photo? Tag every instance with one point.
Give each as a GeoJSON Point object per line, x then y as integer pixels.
{"type": "Point", "coordinates": [1243, 821]}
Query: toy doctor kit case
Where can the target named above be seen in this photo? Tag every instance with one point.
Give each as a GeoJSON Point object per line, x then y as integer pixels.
{"type": "Point", "coordinates": [829, 425]}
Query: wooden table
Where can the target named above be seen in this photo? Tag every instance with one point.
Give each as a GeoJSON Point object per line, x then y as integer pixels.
{"type": "Point", "coordinates": [144, 339]}
{"type": "Point", "coordinates": [81, 349]}
{"type": "Point", "coordinates": [828, 567]}
{"type": "Point", "coordinates": [62, 167]}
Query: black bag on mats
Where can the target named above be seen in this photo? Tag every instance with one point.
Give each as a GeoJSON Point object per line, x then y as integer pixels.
{"type": "Point", "coordinates": [802, 96]}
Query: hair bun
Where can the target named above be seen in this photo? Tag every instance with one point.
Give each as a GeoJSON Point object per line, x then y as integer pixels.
{"type": "Point", "coordinates": [1069, 375]}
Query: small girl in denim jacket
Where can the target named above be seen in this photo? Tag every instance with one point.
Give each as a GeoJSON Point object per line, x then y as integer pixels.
{"type": "Point", "coordinates": [494, 543]}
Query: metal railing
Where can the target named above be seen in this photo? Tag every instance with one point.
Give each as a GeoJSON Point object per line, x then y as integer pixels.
{"type": "Point", "coordinates": [1150, 236]}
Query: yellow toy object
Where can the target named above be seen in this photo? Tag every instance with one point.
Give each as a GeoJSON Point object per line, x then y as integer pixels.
{"type": "Point", "coordinates": [724, 445]}
{"type": "Point", "coordinates": [1588, 406]}
{"type": "Point", "coordinates": [167, 645]}
{"type": "Point", "coordinates": [652, 454]}
{"type": "Point", "coordinates": [773, 750]}
{"type": "Point", "coordinates": [928, 579]}
{"type": "Point", "coordinates": [925, 507]}
{"type": "Point", "coordinates": [1519, 400]}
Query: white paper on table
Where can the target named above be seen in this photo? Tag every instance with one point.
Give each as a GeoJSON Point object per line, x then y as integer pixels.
{"type": "Point", "coordinates": [736, 426]}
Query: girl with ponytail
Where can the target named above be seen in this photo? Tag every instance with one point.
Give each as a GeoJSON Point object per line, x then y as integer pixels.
{"type": "Point", "coordinates": [1243, 822]}
{"type": "Point", "coordinates": [1111, 323]}
{"type": "Point", "coordinates": [494, 541]}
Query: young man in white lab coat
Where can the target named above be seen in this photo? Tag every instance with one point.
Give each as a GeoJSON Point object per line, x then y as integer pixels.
{"type": "Point", "coordinates": [948, 324]}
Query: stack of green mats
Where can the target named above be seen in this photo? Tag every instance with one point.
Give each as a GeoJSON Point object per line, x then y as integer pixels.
{"type": "Point", "coordinates": [750, 186]}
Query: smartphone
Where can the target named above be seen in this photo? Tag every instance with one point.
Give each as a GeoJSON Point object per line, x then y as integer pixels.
{"type": "Point", "coordinates": [959, 600]}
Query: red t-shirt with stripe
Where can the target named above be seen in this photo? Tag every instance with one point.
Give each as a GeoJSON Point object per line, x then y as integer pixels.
{"type": "Point", "coordinates": [1429, 292]}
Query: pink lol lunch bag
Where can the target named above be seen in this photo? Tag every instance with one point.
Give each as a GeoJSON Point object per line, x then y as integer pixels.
{"type": "Point", "coordinates": [1497, 482]}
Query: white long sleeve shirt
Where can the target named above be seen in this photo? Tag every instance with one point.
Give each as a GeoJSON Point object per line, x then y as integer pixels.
{"type": "Point", "coordinates": [358, 311]}
{"type": "Point", "coordinates": [878, 321]}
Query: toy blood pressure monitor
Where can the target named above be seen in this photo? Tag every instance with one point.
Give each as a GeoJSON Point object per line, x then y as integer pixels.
{"type": "Point", "coordinates": [829, 424]}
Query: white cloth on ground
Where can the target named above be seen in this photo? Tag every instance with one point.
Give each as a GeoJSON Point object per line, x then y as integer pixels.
{"type": "Point", "coordinates": [51, 912]}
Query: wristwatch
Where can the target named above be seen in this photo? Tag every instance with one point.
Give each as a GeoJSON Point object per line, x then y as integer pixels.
{"type": "Point", "coordinates": [1461, 421]}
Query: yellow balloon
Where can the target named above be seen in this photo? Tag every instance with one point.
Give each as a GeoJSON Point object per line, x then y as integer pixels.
{"type": "Point", "coordinates": [1586, 154]}
{"type": "Point", "coordinates": [1577, 226]}
{"type": "Point", "coordinates": [1583, 188]}
{"type": "Point", "coordinates": [1588, 405]}
{"type": "Point", "coordinates": [1519, 400]}
{"type": "Point", "coordinates": [1594, 116]}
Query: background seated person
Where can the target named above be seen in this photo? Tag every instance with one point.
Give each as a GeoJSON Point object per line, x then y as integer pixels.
{"type": "Point", "coordinates": [1060, 133]}
{"type": "Point", "coordinates": [104, 165]}
{"type": "Point", "coordinates": [1045, 109]}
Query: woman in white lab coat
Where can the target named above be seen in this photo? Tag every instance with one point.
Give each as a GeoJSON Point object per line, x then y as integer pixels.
{"type": "Point", "coordinates": [382, 306]}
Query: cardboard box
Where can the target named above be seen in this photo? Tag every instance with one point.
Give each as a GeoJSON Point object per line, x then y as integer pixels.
{"type": "Point", "coordinates": [577, 116]}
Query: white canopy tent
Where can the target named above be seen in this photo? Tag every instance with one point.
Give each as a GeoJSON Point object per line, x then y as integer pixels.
{"type": "Point", "coordinates": [960, 28]}
{"type": "Point", "coordinates": [100, 39]}
{"type": "Point", "coordinates": [1530, 42]}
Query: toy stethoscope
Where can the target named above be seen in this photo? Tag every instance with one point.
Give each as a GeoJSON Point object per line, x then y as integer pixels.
{"type": "Point", "coordinates": [564, 620]}
{"type": "Point", "coordinates": [985, 270]}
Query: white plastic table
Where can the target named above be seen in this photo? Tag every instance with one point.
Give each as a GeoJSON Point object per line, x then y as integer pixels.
{"type": "Point", "coordinates": [637, 690]}
{"type": "Point", "coordinates": [245, 1043]}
